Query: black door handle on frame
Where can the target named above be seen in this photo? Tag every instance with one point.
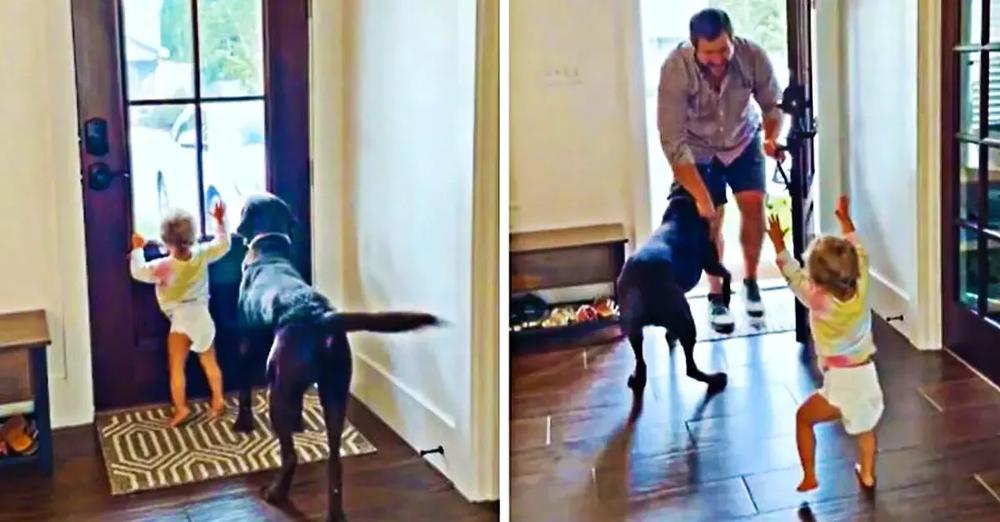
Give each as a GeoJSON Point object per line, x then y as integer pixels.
{"type": "Point", "coordinates": [99, 176]}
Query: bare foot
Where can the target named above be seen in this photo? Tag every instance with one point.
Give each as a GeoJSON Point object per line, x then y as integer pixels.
{"type": "Point", "coordinates": [807, 484]}
{"type": "Point", "coordinates": [866, 481]}
{"type": "Point", "coordinates": [216, 408]}
{"type": "Point", "coordinates": [180, 415]}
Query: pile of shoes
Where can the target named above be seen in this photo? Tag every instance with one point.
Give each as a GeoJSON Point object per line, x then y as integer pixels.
{"type": "Point", "coordinates": [18, 436]}
{"type": "Point", "coordinates": [531, 311]}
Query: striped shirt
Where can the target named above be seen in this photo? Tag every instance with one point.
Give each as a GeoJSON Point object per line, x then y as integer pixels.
{"type": "Point", "coordinates": [181, 281]}
{"type": "Point", "coordinates": [697, 122]}
{"type": "Point", "coordinates": [842, 330]}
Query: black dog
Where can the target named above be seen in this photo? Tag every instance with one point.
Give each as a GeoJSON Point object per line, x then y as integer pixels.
{"type": "Point", "coordinates": [307, 338]}
{"type": "Point", "coordinates": [655, 278]}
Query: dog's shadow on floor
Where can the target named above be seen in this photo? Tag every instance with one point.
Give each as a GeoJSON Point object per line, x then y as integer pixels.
{"type": "Point", "coordinates": [612, 489]}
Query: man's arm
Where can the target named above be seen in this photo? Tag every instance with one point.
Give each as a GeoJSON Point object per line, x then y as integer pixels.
{"type": "Point", "coordinates": [671, 119]}
{"type": "Point", "coordinates": [767, 92]}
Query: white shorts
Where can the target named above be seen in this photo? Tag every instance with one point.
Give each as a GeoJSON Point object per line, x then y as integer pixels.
{"type": "Point", "coordinates": [193, 320]}
{"type": "Point", "coordinates": [856, 392]}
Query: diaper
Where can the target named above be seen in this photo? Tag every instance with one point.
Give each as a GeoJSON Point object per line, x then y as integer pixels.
{"type": "Point", "coordinates": [193, 320]}
{"type": "Point", "coordinates": [856, 392]}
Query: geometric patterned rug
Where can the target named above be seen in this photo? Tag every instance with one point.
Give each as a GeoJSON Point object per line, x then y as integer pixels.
{"type": "Point", "coordinates": [141, 452]}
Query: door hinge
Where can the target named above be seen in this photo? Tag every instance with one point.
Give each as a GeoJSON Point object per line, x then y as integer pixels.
{"type": "Point", "coordinates": [309, 9]}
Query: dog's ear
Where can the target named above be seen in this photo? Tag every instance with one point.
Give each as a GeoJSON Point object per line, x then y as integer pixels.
{"type": "Point", "coordinates": [246, 228]}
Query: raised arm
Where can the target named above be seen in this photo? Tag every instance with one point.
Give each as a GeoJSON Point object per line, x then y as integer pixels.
{"type": "Point", "coordinates": [140, 269]}
{"type": "Point", "coordinates": [219, 245]}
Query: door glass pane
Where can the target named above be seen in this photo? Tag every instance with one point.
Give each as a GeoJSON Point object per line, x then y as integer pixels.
{"type": "Point", "coordinates": [968, 268]}
{"type": "Point", "coordinates": [993, 101]}
{"type": "Point", "coordinates": [993, 284]}
{"type": "Point", "coordinates": [968, 93]}
{"type": "Point", "coordinates": [968, 181]}
{"type": "Point", "coordinates": [993, 187]}
{"type": "Point", "coordinates": [972, 26]}
{"type": "Point", "coordinates": [231, 36]}
{"type": "Point", "coordinates": [164, 165]}
{"type": "Point", "coordinates": [235, 153]}
{"type": "Point", "coordinates": [159, 49]}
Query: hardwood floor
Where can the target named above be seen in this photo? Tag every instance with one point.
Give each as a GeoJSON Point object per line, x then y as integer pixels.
{"type": "Point", "coordinates": [576, 455]}
{"type": "Point", "coordinates": [393, 484]}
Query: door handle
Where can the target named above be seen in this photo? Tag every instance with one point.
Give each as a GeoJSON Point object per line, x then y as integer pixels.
{"type": "Point", "coordinates": [99, 176]}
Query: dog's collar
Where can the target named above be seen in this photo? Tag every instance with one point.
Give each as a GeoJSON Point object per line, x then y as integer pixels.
{"type": "Point", "coordinates": [253, 242]}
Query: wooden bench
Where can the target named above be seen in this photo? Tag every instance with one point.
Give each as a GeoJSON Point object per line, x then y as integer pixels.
{"type": "Point", "coordinates": [559, 258]}
{"type": "Point", "coordinates": [24, 382]}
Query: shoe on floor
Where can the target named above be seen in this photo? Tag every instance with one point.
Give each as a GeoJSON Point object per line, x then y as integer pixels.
{"type": "Point", "coordinates": [751, 294]}
{"type": "Point", "coordinates": [719, 315]}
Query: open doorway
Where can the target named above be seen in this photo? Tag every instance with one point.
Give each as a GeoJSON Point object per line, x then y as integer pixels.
{"type": "Point", "coordinates": [664, 26]}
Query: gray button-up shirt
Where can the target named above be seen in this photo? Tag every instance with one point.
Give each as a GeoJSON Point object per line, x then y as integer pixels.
{"type": "Point", "coordinates": [698, 123]}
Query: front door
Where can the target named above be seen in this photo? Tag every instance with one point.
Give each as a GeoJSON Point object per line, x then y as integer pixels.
{"type": "Point", "coordinates": [970, 183]}
{"type": "Point", "coordinates": [797, 101]}
{"type": "Point", "coordinates": [181, 102]}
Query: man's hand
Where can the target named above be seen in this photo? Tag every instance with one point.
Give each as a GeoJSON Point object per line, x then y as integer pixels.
{"type": "Point", "coordinates": [138, 241]}
{"type": "Point", "coordinates": [219, 211]}
{"type": "Point", "coordinates": [706, 208]}
{"type": "Point", "coordinates": [775, 233]}
{"type": "Point", "coordinates": [772, 150]}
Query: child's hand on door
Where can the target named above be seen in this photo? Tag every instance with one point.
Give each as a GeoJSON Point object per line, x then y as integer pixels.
{"type": "Point", "coordinates": [219, 211]}
{"type": "Point", "coordinates": [138, 241]}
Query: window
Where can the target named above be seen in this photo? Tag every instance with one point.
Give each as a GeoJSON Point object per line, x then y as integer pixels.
{"type": "Point", "coordinates": [195, 97]}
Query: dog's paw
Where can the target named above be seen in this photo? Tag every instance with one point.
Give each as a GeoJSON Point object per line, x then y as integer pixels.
{"type": "Point", "coordinates": [273, 494]}
{"type": "Point", "coordinates": [717, 382]}
{"type": "Point", "coordinates": [243, 423]}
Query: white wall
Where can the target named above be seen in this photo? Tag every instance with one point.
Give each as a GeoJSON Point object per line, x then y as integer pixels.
{"type": "Point", "coordinates": [394, 185]}
{"type": "Point", "coordinates": [886, 177]}
{"type": "Point", "coordinates": [576, 145]}
{"type": "Point", "coordinates": [41, 212]}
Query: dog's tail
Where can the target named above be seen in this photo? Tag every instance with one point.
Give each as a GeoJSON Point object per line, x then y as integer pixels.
{"type": "Point", "coordinates": [381, 322]}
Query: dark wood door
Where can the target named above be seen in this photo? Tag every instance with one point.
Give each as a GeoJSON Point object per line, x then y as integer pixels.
{"type": "Point", "coordinates": [797, 101]}
{"type": "Point", "coordinates": [970, 167]}
{"type": "Point", "coordinates": [181, 102]}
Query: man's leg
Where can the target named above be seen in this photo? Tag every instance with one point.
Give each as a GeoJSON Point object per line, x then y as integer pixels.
{"type": "Point", "coordinates": [715, 283]}
{"type": "Point", "coordinates": [746, 177]}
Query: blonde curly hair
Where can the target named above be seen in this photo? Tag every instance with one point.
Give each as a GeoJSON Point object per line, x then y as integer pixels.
{"type": "Point", "coordinates": [177, 229]}
{"type": "Point", "coordinates": [833, 265]}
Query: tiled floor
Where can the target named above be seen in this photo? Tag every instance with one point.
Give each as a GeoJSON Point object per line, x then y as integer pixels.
{"type": "Point", "coordinates": [583, 449]}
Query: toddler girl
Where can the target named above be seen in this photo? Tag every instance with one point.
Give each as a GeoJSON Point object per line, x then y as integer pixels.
{"type": "Point", "coordinates": [835, 289]}
{"type": "Point", "coordinates": [181, 281]}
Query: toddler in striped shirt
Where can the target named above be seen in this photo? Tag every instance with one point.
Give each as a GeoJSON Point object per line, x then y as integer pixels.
{"type": "Point", "coordinates": [834, 287]}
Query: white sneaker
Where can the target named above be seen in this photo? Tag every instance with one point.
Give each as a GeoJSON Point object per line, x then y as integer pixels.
{"type": "Point", "coordinates": [755, 307]}
{"type": "Point", "coordinates": [721, 318]}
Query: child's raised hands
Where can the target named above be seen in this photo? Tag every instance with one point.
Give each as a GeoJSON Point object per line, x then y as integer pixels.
{"type": "Point", "coordinates": [138, 241]}
{"type": "Point", "coordinates": [219, 211]}
{"type": "Point", "coordinates": [843, 213]}
{"type": "Point", "coordinates": [776, 234]}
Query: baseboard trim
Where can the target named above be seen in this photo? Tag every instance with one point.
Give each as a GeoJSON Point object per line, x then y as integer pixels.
{"type": "Point", "coordinates": [412, 416]}
{"type": "Point", "coordinates": [889, 300]}
{"type": "Point", "coordinates": [422, 400]}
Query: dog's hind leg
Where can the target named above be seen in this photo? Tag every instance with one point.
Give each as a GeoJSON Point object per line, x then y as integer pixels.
{"type": "Point", "coordinates": [681, 323]}
{"type": "Point", "coordinates": [334, 386]}
{"type": "Point", "coordinates": [283, 424]}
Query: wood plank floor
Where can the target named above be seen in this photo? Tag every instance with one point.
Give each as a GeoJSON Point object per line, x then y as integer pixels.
{"type": "Point", "coordinates": [576, 455]}
{"type": "Point", "coordinates": [393, 484]}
